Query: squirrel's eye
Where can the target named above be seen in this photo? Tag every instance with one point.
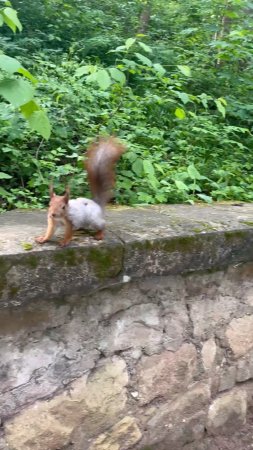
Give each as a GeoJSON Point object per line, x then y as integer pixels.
{"type": "Point", "coordinates": [63, 207]}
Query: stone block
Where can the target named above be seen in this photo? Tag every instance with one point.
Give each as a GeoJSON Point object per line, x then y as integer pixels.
{"type": "Point", "coordinates": [227, 412]}
{"type": "Point", "coordinates": [209, 353]}
{"type": "Point", "coordinates": [249, 389]}
{"type": "Point", "coordinates": [34, 366]}
{"type": "Point", "coordinates": [174, 331]}
{"type": "Point", "coordinates": [121, 436]}
{"type": "Point", "coordinates": [208, 313]}
{"type": "Point", "coordinates": [176, 322]}
{"type": "Point", "coordinates": [245, 367]}
{"type": "Point", "coordinates": [227, 378]}
{"type": "Point", "coordinates": [15, 370]}
{"type": "Point", "coordinates": [239, 334]}
{"type": "Point", "coordinates": [180, 422]}
{"type": "Point", "coordinates": [93, 404]}
{"type": "Point", "coordinates": [138, 327]}
{"type": "Point", "coordinates": [166, 375]}
{"type": "Point", "coordinates": [108, 302]}
{"type": "Point", "coordinates": [248, 294]}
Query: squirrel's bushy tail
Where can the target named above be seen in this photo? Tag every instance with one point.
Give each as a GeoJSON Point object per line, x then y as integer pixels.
{"type": "Point", "coordinates": [102, 156]}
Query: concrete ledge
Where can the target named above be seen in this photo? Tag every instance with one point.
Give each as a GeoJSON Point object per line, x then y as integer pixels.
{"type": "Point", "coordinates": [140, 242]}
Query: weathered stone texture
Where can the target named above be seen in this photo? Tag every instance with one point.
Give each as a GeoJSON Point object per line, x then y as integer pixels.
{"type": "Point", "coordinates": [176, 324]}
{"type": "Point", "coordinates": [209, 313]}
{"type": "Point", "coordinates": [121, 436]}
{"type": "Point", "coordinates": [148, 362]}
{"type": "Point", "coordinates": [181, 421]}
{"type": "Point", "coordinates": [34, 364]}
{"type": "Point", "coordinates": [240, 335]}
{"type": "Point", "coordinates": [245, 367]}
{"type": "Point", "coordinates": [93, 404]}
{"type": "Point", "coordinates": [209, 353]}
{"type": "Point", "coordinates": [107, 303]}
{"type": "Point", "coordinates": [167, 374]}
{"type": "Point", "coordinates": [138, 327]}
{"type": "Point", "coordinates": [228, 412]}
{"type": "Point", "coordinates": [227, 378]}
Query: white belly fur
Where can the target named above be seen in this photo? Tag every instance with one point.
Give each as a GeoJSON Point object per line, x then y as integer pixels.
{"type": "Point", "coordinates": [86, 214]}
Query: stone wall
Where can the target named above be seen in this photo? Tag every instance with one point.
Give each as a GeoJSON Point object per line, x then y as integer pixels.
{"type": "Point", "coordinates": [138, 360]}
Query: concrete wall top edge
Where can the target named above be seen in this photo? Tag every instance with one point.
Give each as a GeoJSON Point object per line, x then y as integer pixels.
{"type": "Point", "coordinates": [140, 242]}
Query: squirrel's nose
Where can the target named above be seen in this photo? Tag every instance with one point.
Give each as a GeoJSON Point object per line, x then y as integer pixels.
{"type": "Point", "coordinates": [53, 215]}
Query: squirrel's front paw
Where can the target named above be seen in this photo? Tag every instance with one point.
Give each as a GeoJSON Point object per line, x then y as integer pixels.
{"type": "Point", "coordinates": [40, 240]}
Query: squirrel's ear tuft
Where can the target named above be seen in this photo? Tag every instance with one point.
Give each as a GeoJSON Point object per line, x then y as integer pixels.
{"type": "Point", "coordinates": [66, 194]}
{"type": "Point", "coordinates": [51, 190]}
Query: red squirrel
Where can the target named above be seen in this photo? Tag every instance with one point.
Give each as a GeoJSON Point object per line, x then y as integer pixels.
{"type": "Point", "coordinates": [83, 213]}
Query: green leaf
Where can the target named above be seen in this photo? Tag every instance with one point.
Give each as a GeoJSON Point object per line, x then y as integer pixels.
{"type": "Point", "coordinates": [118, 49]}
{"type": "Point", "coordinates": [159, 168]}
{"type": "Point", "coordinates": [4, 193]}
{"type": "Point", "coordinates": [11, 19]}
{"type": "Point", "coordinates": [12, 65]}
{"type": "Point", "coordinates": [9, 64]}
{"type": "Point", "coordinates": [137, 167]}
{"type": "Point", "coordinates": [150, 172]}
{"type": "Point", "coordinates": [161, 197]}
{"type": "Point", "coordinates": [27, 74]}
{"type": "Point", "coordinates": [129, 42]}
{"type": "Point", "coordinates": [159, 68]}
{"type": "Point", "coordinates": [27, 246]}
{"type": "Point", "coordinates": [91, 78]}
{"type": "Point", "coordinates": [117, 75]}
{"type": "Point", "coordinates": [223, 101]}
{"type": "Point", "coordinates": [195, 187]}
{"type": "Point", "coordinates": [29, 108]}
{"type": "Point", "coordinates": [148, 167]}
{"type": "Point", "coordinates": [144, 197]}
{"type": "Point", "coordinates": [129, 63]}
{"type": "Point", "coordinates": [83, 70]}
{"type": "Point", "coordinates": [193, 172]}
{"type": "Point", "coordinates": [180, 113]}
{"type": "Point", "coordinates": [1, 19]}
{"type": "Point", "coordinates": [153, 181]}
{"type": "Point", "coordinates": [204, 100]}
{"type": "Point", "coordinates": [39, 122]}
{"type": "Point", "coordinates": [17, 92]}
{"type": "Point", "coordinates": [206, 198]}
{"type": "Point", "coordinates": [220, 107]}
{"type": "Point", "coordinates": [103, 79]}
{"type": "Point", "coordinates": [183, 97]}
{"type": "Point", "coordinates": [145, 47]}
{"type": "Point", "coordinates": [185, 70]}
{"type": "Point", "coordinates": [4, 176]}
{"type": "Point", "coordinates": [144, 59]}
{"type": "Point", "coordinates": [181, 186]}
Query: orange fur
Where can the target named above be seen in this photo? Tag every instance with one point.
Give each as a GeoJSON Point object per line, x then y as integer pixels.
{"type": "Point", "coordinates": [101, 173]}
{"type": "Point", "coordinates": [57, 211]}
{"type": "Point", "coordinates": [100, 235]}
{"type": "Point", "coordinates": [102, 156]}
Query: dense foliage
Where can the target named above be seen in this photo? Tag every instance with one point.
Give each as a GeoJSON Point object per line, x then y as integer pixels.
{"type": "Point", "coordinates": [171, 78]}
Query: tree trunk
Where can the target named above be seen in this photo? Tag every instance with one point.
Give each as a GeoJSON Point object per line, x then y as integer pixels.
{"type": "Point", "coordinates": [144, 18]}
